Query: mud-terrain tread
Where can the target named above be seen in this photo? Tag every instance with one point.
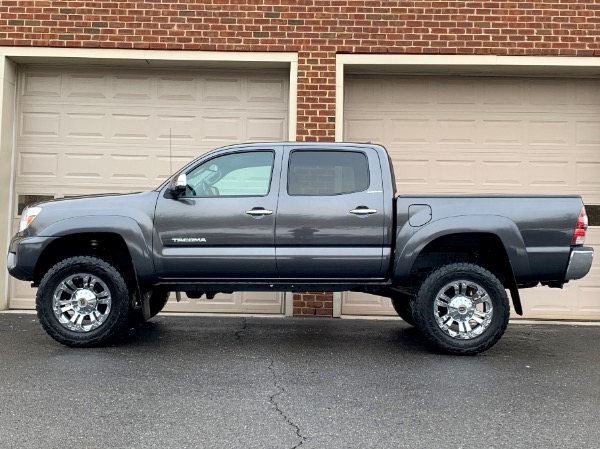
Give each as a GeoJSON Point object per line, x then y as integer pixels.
{"type": "Point", "coordinates": [403, 306]}
{"type": "Point", "coordinates": [120, 307]}
{"type": "Point", "coordinates": [423, 309]}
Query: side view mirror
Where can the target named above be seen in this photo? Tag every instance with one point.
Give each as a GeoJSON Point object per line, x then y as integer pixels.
{"type": "Point", "coordinates": [178, 184]}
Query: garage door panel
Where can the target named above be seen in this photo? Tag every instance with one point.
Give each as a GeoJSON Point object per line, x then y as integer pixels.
{"type": "Point", "coordinates": [586, 133]}
{"type": "Point", "coordinates": [88, 131]}
{"type": "Point", "coordinates": [364, 130]}
{"type": "Point", "coordinates": [354, 303]}
{"type": "Point", "coordinates": [40, 124]}
{"type": "Point", "coordinates": [550, 132]}
{"type": "Point", "coordinates": [486, 135]}
{"type": "Point", "coordinates": [471, 94]}
{"type": "Point", "coordinates": [41, 84]}
{"type": "Point", "coordinates": [239, 302]}
{"type": "Point", "coordinates": [266, 129]}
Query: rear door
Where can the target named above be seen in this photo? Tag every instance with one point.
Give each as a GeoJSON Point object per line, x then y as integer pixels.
{"type": "Point", "coordinates": [223, 227]}
{"type": "Point", "coordinates": [330, 219]}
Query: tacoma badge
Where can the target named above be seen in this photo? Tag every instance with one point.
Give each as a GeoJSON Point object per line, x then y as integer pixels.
{"type": "Point", "coordinates": [188, 240]}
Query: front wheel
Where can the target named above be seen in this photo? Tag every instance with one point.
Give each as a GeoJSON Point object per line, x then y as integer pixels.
{"type": "Point", "coordinates": [83, 301]}
{"type": "Point", "coordinates": [462, 308]}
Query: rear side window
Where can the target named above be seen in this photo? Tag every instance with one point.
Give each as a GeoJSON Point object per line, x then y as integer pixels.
{"type": "Point", "coordinates": [327, 173]}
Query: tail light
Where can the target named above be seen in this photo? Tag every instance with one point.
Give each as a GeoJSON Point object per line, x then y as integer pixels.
{"type": "Point", "coordinates": [582, 225]}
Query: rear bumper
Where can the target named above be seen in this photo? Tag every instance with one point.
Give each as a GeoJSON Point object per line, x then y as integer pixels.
{"type": "Point", "coordinates": [580, 262]}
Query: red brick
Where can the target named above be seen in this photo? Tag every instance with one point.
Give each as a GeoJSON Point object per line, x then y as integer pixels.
{"type": "Point", "coordinates": [324, 312]}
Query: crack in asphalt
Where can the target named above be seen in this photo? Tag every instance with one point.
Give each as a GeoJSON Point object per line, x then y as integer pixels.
{"type": "Point", "coordinates": [239, 334]}
{"type": "Point", "coordinates": [273, 401]}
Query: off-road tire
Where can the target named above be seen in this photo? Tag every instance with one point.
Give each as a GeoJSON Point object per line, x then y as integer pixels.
{"type": "Point", "coordinates": [158, 300]}
{"type": "Point", "coordinates": [423, 308]}
{"type": "Point", "coordinates": [403, 306]}
{"type": "Point", "coordinates": [117, 317]}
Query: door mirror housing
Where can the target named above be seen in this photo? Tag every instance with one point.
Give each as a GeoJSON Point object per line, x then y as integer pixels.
{"type": "Point", "coordinates": [178, 184]}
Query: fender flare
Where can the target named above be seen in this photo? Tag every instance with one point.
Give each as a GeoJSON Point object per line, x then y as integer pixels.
{"type": "Point", "coordinates": [126, 227]}
{"type": "Point", "coordinates": [409, 246]}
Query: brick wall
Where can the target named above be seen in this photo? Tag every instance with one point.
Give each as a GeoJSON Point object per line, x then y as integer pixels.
{"type": "Point", "coordinates": [316, 30]}
{"type": "Point", "coordinates": [313, 304]}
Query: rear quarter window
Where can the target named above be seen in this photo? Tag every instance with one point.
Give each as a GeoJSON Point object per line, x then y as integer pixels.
{"type": "Point", "coordinates": [320, 173]}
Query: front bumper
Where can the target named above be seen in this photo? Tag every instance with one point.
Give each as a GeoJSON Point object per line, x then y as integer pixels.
{"type": "Point", "coordinates": [580, 262]}
{"type": "Point", "coordinates": [23, 255]}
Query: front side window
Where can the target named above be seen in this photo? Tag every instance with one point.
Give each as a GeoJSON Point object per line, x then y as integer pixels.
{"type": "Point", "coordinates": [327, 172]}
{"type": "Point", "coordinates": [238, 174]}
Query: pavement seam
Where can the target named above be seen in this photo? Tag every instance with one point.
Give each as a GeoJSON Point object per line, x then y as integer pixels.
{"type": "Point", "coordinates": [240, 334]}
{"type": "Point", "coordinates": [273, 401]}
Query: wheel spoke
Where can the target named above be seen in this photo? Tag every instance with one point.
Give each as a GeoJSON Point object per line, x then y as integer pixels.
{"type": "Point", "coordinates": [440, 303]}
{"type": "Point", "coordinates": [443, 297]}
{"type": "Point", "coordinates": [480, 298]}
{"type": "Point", "coordinates": [93, 282]}
{"type": "Point", "coordinates": [456, 287]}
{"type": "Point", "coordinates": [477, 319]}
{"type": "Point", "coordinates": [464, 327]}
{"type": "Point", "coordinates": [103, 295]}
{"type": "Point", "coordinates": [66, 308]}
{"type": "Point", "coordinates": [482, 315]}
{"type": "Point", "coordinates": [68, 286]}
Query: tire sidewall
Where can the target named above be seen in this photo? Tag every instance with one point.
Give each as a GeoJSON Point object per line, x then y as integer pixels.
{"type": "Point", "coordinates": [120, 301]}
{"type": "Point", "coordinates": [423, 308]}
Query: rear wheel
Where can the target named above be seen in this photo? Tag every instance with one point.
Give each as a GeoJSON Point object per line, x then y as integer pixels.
{"type": "Point", "coordinates": [83, 301]}
{"type": "Point", "coordinates": [403, 306]}
{"type": "Point", "coordinates": [462, 309]}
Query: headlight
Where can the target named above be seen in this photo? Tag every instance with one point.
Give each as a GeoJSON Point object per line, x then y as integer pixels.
{"type": "Point", "coordinates": [28, 216]}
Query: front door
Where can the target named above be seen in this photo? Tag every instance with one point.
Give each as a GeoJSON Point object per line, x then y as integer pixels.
{"type": "Point", "coordinates": [330, 220]}
{"type": "Point", "coordinates": [223, 226]}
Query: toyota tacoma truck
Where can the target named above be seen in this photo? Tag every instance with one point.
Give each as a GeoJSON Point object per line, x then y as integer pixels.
{"type": "Point", "coordinates": [296, 217]}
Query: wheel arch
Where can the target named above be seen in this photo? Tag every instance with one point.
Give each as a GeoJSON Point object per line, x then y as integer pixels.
{"type": "Point", "coordinates": [117, 238]}
{"type": "Point", "coordinates": [456, 232]}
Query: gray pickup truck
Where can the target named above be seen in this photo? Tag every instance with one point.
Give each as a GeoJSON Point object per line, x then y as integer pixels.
{"type": "Point", "coordinates": [296, 217]}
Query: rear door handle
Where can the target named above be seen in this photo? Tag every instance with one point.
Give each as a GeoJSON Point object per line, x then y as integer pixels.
{"type": "Point", "coordinates": [363, 210]}
{"type": "Point", "coordinates": [256, 212]}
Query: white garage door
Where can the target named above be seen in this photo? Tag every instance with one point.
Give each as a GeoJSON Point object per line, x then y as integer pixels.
{"type": "Point", "coordinates": [96, 130]}
{"type": "Point", "coordinates": [483, 135]}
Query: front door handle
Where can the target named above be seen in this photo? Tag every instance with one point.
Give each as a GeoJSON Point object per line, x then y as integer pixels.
{"type": "Point", "coordinates": [363, 210]}
{"type": "Point", "coordinates": [258, 212]}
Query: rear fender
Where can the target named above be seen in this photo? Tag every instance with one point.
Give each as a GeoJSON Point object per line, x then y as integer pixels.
{"type": "Point", "coordinates": [409, 245]}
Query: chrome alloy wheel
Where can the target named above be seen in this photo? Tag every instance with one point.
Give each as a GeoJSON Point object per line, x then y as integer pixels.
{"type": "Point", "coordinates": [81, 302]}
{"type": "Point", "coordinates": [463, 309]}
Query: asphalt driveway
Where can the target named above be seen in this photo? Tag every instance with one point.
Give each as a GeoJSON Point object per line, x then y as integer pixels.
{"type": "Point", "coordinates": [231, 382]}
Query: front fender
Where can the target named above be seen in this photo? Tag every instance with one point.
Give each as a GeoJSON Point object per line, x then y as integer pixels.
{"type": "Point", "coordinates": [126, 227]}
{"type": "Point", "coordinates": [409, 243]}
